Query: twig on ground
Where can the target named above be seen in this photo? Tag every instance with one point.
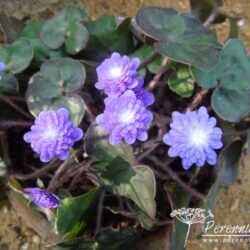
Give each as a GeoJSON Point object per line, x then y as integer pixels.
{"type": "Point", "coordinates": [212, 17]}
{"type": "Point", "coordinates": [154, 144]}
{"type": "Point", "coordinates": [78, 176]}
{"type": "Point", "coordinates": [89, 113]}
{"type": "Point", "coordinates": [99, 212]}
{"type": "Point", "coordinates": [59, 171]}
{"type": "Point", "coordinates": [197, 99]}
{"type": "Point", "coordinates": [148, 60]}
{"type": "Point", "coordinates": [156, 79]}
{"type": "Point", "coordinates": [8, 123]}
{"type": "Point", "coordinates": [41, 172]}
{"type": "Point", "coordinates": [7, 100]}
{"type": "Point", "coordinates": [164, 167]}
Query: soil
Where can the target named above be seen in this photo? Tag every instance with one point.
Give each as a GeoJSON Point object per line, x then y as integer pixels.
{"type": "Point", "coordinates": [233, 206]}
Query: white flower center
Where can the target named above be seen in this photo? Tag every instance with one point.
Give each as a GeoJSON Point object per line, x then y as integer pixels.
{"type": "Point", "coordinates": [50, 133]}
{"type": "Point", "coordinates": [126, 116]}
{"type": "Point", "coordinates": [115, 72]}
{"type": "Point", "coordinates": [199, 137]}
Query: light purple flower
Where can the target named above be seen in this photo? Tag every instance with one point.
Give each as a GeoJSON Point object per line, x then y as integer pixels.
{"type": "Point", "coordinates": [193, 137]}
{"type": "Point", "coordinates": [117, 74]}
{"type": "Point", "coordinates": [53, 134]}
{"type": "Point", "coordinates": [2, 67]}
{"type": "Point", "coordinates": [125, 117]}
{"type": "Point", "coordinates": [146, 97]}
{"type": "Point", "coordinates": [43, 198]}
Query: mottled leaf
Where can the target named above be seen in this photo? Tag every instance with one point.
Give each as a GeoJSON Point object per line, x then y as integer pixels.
{"type": "Point", "coordinates": [179, 36]}
{"type": "Point", "coordinates": [41, 52]}
{"type": "Point", "coordinates": [54, 87]}
{"type": "Point", "coordinates": [66, 28]}
{"type": "Point", "coordinates": [17, 56]}
{"type": "Point", "coordinates": [8, 83]}
{"type": "Point", "coordinates": [136, 183]}
{"type": "Point", "coordinates": [231, 76]}
{"type": "Point", "coordinates": [97, 146]}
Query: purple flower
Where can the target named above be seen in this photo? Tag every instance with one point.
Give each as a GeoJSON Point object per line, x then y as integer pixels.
{"type": "Point", "coordinates": [125, 117]}
{"type": "Point", "coordinates": [2, 67]}
{"type": "Point", "coordinates": [193, 136]}
{"type": "Point", "coordinates": [43, 198]}
{"type": "Point", "coordinates": [117, 74]}
{"type": "Point", "coordinates": [146, 97]}
{"type": "Point", "coordinates": [53, 134]}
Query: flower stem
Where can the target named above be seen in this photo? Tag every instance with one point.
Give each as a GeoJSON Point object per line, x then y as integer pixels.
{"type": "Point", "coordinates": [187, 235]}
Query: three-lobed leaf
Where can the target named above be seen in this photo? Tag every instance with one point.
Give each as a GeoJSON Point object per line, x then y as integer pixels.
{"type": "Point", "coordinates": [179, 36]}
{"type": "Point", "coordinates": [17, 56]}
{"type": "Point", "coordinates": [230, 76]}
{"type": "Point", "coordinates": [55, 86]}
{"type": "Point", "coordinates": [65, 28]}
{"type": "Point", "coordinates": [41, 52]}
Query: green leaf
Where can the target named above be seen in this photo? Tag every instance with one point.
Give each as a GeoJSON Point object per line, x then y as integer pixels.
{"type": "Point", "coordinates": [228, 161]}
{"type": "Point", "coordinates": [114, 172]}
{"type": "Point", "coordinates": [65, 28]}
{"type": "Point", "coordinates": [54, 87]}
{"type": "Point", "coordinates": [136, 183]}
{"type": "Point", "coordinates": [231, 105]}
{"type": "Point", "coordinates": [182, 82]}
{"type": "Point", "coordinates": [141, 189]}
{"type": "Point", "coordinates": [17, 56]}
{"type": "Point", "coordinates": [181, 198]}
{"type": "Point", "coordinates": [72, 215]}
{"type": "Point", "coordinates": [41, 52]}
{"type": "Point", "coordinates": [8, 83]}
{"type": "Point", "coordinates": [227, 169]}
{"type": "Point", "coordinates": [179, 36]}
{"type": "Point", "coordinates": [107, 239]}
{"type": "Point", "coordinates": [231, 75]}
{"type": "Point", "coordinates": [144, 52]}
{"type": "Point", "coordinates": [97, 146]}
{"type": "Point", "coordinates": [106, 37]}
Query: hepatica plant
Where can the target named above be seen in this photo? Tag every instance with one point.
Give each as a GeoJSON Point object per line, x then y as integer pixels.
{"type": "Point", "coordinates": [101, 117]}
